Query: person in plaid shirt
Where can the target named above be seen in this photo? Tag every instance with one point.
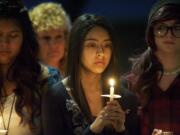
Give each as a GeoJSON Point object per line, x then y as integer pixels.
{"type": "Point", "coordinates": [155, 74]}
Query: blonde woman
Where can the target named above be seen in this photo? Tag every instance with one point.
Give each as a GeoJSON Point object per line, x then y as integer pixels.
{"type": "Point", "coordinates": [51, 24]}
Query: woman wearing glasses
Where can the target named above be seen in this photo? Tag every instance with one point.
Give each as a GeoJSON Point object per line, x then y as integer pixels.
{"type": "Point", "coordinates": [155, 74]}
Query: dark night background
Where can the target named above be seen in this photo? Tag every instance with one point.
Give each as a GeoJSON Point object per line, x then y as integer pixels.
{"type": "Point", "coordinates": [129, 18]}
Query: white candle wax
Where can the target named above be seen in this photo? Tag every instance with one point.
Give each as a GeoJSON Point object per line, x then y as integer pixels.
{"type": "Point", "coordinates": [111, 83]}
{"type": "Point", "coordinates": [111, 93]}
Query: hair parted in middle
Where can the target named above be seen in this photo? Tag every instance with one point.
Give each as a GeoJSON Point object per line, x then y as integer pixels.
{"type": "Point", "coordinates": [80, 29]}
{"type": "Point", "coordinates": [25, 71]}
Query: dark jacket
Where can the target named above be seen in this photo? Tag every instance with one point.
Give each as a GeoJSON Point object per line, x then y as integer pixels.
{"type": "Point", "coordinates": [61, 116]}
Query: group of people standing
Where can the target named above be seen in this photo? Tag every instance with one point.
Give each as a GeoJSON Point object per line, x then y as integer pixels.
{"type": "Point", "coordinates": [52, 75]}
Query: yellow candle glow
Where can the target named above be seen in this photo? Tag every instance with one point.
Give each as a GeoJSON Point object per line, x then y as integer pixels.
{"type": "Point", "coordinates": [111, 83]}
{"type": "Point", "coordinates": [111, 94]}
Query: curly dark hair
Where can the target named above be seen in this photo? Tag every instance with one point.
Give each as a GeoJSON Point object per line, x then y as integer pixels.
{"type": "Point", "coordinates": [25, 70]}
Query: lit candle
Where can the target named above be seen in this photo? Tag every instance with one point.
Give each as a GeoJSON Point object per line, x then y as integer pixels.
{"type": "Point", "coordinates": [111, 83]}
{"type": "Point", "coordinates": [111, 95]}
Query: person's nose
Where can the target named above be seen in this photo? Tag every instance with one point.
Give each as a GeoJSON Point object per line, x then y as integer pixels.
{"type": "Point", "coordinates": [100, 51]}
{"type": "Point", "coordinates": [52, 42]}
{"type": "Point", "coordinates": [169, 33]}
{"type": "Point", "coordinates": [4, 41]}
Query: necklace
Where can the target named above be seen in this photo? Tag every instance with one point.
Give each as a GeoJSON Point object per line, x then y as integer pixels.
{"type": "Point", "coordinates": [174, 72]}
{"type": "Point", "coordinates": [10, 114]}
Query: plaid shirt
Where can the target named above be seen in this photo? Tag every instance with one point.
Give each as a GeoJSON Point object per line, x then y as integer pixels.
{"type": "Point", "coordinates": [163, 112]}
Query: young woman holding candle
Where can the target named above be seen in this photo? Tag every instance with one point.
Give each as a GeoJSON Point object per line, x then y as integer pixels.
{"type": "Point", "coordinates": [155, 74]}
{"type": "Point", "coordinates": [75, 106]}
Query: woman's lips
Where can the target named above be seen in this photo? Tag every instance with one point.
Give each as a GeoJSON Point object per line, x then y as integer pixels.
{"type": "Point", "coordinates": [99, 62]}
{"type": "Point", "coordinates": [168, 42]}
{"type": "Point", "coordinates": [4, 52]}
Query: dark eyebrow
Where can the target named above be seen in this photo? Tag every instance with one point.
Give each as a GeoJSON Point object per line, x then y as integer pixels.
{"type": "Point", "coordinates": [16, 30]}
{"type": "Point", "coordinates": [92, 39]}
{"type": "Point", "coordinates": [89, 39]}
{"type": "Point", "coordinates": [178, 21]}
{"type": "Point", "coordinates": [108, 40]}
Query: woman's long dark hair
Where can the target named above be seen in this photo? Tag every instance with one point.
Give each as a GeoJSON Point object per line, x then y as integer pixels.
{"type": "Point", "coordinates": [25, 70]}
{"type": "Point", "coordinates": [146, 66]}
{"type": "Point", "coordinates": [78, 33]}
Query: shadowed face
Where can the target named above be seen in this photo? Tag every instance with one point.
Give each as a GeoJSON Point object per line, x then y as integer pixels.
{"type": "Point", "coordinates": [51, 46]}
{"type": "Point", "coordinates": [10, 40]}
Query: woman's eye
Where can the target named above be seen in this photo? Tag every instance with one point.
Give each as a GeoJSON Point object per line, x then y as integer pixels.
{"type": "Point", "coordinates": [108, 45]}
{"type": "Point", "coordinates": [92, 45]}
{"type": "Point", "coordinates": [46, 38]}
{"type": "Point", "coordinates": [60, 38]}
{"type": "Point", "coordinates": [161, 27]}
{"type": "Point", "coordinates": [14, 35]}
{"type": "Point", "coordinates": [177, 27]}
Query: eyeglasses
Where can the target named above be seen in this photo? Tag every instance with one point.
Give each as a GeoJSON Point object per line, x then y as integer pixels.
{"type": "Point", "coordinates": [160, 30]}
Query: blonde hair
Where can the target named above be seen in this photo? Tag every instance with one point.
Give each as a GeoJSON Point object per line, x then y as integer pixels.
{"type": "Point", "coordinates": [49, 15]}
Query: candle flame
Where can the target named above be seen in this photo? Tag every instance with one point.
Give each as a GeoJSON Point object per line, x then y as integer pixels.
{"type": "Point", "coordinates": [111, 82]}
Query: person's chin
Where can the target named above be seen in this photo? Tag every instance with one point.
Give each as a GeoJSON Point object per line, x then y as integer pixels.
{"type": "Point", "coordinates": [99, 70]}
